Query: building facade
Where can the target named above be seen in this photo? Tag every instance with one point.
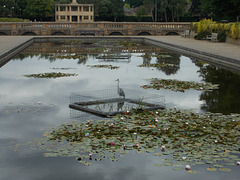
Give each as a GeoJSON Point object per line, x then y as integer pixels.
{"type": "Point", "coordinates": [74, 12]}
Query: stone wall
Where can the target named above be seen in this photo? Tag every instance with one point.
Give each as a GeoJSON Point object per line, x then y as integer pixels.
{"type": "Point", "coordinates": [232, 41]}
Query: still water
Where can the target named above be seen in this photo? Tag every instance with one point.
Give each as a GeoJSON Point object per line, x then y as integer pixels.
{"type": "Point", "coordinates": [29, 106]}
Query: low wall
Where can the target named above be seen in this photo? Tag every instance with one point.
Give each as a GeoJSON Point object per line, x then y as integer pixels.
{"type": "Point", "coordinates": [232, 41]}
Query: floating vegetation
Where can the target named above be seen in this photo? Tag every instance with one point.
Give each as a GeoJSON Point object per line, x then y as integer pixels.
{"type": "Point", "coordinates": [50, 75]}
{"type": "Point", "coordinates": [104, 66]}
{"type": "Point", "coordinates": [158, 65]}
{"type": "Point", "coordinates": [63, 68]}
{"type": "Point", "coordinates": [188, 137]}
{"type": "Point", "coordinates": [70, 56]}
{"type": "Point", "coordinates": [163, 56]}
{"type": "Point", "coordinates": [127, 44]}
{"type": "Point", "coordinates": [181, 86]}
{"type": "Point", "coordinates": [147, 55]}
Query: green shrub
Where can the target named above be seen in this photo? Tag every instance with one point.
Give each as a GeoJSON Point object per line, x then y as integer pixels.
{"type": "Point", "coordinates": [222, 36]}
{"type": "Point", "coordinates": [202, 35]}
{"type": "Point", "coordinates": [12, 20]}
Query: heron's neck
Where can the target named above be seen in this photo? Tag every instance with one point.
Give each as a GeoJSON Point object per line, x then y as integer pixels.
{"type": "Point", "coordinates": [118, 85]}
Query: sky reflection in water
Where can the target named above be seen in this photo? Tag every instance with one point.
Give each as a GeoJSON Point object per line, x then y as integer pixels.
{"type": "Point", "coordinates": [28, 106]}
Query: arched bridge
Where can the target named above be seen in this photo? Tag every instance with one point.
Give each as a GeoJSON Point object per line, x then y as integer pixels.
{"type": "Point", "coordinates": [93, 28]}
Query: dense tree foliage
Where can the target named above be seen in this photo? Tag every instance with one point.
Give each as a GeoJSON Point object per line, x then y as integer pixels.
{"type": "Point", "coordinates": [222, 9]}
{"type": "Point", "coordinates": [39, 9]}
{"type": "Point", "coordinates": [112, 10]}
{"type": "Point", "coordinates": [109, 9]}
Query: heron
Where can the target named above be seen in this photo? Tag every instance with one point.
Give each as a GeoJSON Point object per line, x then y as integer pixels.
{"type": "Point", "coordinates": [120, 90]}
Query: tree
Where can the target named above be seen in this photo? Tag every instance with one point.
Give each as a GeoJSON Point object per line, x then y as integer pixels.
{"type": "Point", "coordinates": [141, 11]}
{"type": "Point", "coordinates": [163, 9]}
{"type": "Point", "coordinates": [8, 6]}
{"type": "Point", "coordinates": [39, 9]}
{"type": "Point", "coordinates": [195, 8]}
{"type": "Point", "coordinates": [177, 8]}
{"type": "Point", "coordinates": [149, 6]}
{"type": "Point", "coordinates": [117, 9]}
{"type": "Point", "coordinates": [103, 9]}
{"type": "Point", "coordinates": [134, 3]}
{"type": "Point", "coordinates": [110, 9]}
{"type": "Point", "coordinates": [224, 9]}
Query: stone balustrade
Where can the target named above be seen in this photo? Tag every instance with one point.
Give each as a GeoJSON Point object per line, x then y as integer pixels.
{"type": "Point", "coordinates": [107, 28]}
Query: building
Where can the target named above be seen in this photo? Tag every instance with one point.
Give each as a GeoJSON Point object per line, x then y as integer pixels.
{"type": "Point", "coordinates": [74, 12]}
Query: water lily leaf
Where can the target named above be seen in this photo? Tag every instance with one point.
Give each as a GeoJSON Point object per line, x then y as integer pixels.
{"type": "Point", "coordinates": [225, 169]}
{"type": "Point", "coordinates": [211, 169]}
{"type": "Point", "coordinates": [158, 165]}
{"type": "Point", "coordinates": [178, 168]}
{"type": "Point", "coordinates": [192, 172]}
{"type": "Point", "coordinates": [218, 165]}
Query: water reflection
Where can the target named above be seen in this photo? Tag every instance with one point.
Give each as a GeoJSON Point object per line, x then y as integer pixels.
{"type": "Point", "coordinates": [226, 99]}
{"type": "Point", "coordinates": [18, 91]}
{"type": "Point", "coordinates": [169, 58]}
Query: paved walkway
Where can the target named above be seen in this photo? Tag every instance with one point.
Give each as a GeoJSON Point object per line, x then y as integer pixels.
{"type": "Point", "coordinates": [10, 42]}
{"type": "Point", "coordinates": [222, 49]}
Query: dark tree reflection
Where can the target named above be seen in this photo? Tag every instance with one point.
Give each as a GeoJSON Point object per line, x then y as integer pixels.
{"type": "Point", "coordinates": [226, 99]}
{"type": "Point", "coordinates": [169, 58]}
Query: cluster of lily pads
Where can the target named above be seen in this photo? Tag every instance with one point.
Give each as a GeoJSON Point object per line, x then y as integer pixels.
{"type": "Point", "coordinates": [104, 66]}
{"type": "Point", "coordinates": [63, 68]}
{"type": "Point", "coordinates": [50, 75]}
{"type": "Point", "coordinates": [158, 65]}
{"type": "Point", "coordinates": [70, 56]}
{"type": "Point", "coordinates": [181, 86]}
{"type": "Point", "coordinates": [182, 138]}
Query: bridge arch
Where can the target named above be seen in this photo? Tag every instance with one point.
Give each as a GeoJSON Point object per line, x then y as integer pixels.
{"type": "Point", "coordinates": [29, 33]}
{"type": "Point", "coordinates": [144, 33]}
{"type": "Point", "coordinates": [171, 33]}
{"type": "Point", "coordinates": [58, 33]}
{"type": "Point", "coordinates": [116, 34]}
{"type": "Point", "coordinates": [3, 34]}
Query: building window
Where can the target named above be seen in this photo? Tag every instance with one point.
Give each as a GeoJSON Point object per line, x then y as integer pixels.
{"type": "Point", "coordinates": [68, 17]}
{"type": "Point", "coordinates": [86, 17]}
{"type": "Point", "coordinates": [62, 17]}
{"type": "Point", "coordinates": [57, 9]}
{"type": "Point", "coordinates": [80, 8]}
{"type": "Point", "coordinates": [62, 8]}
{"type": "Point", "coordinates": [85, 8]}
{"type": "Point", "coordinates": [91, 9]}
{"type": "Point", "coordinates": [91, 17]}
{"type": "Point", "coordinates": [56, 17]}
{"type": "Point", "coordinates": [68, 8]}
{"type": "Point", "coordinates": [80, 18]}
{"type": "Point", "coordinates": [74, 8]}
{"type": "Point", "coordinates": [74, 18]}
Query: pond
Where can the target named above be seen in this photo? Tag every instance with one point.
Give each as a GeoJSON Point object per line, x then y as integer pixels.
{"type": "Point", "coordinates": [35, 95]}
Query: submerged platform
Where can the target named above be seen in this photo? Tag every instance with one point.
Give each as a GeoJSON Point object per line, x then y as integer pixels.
{"type": "Point", "coordinates": [107, 103]}
{"type": "Point", "coordinates": [111, 107]}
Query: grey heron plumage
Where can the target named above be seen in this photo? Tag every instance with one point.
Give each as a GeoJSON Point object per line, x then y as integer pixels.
{"type": "Point", "coordinates": [120, 90]}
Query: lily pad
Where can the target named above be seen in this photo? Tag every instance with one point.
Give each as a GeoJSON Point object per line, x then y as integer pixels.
{"type": "Point", "coordinates": [225, 169]}
{"type": "Point", "coordinates": [181, 86]}
{"type": "Point", "coordinates": [178, 168]}
{"type": "Point", "coordinates": [179, 136]}
{"type": "Point", "coordinates": [104, 66]}
{"type": "Point", "coordinates": [50, 75]}
{"type": "Point", "coordinates": [212, 169]}
{"type": "Point", "coordinates": [158, 165]}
